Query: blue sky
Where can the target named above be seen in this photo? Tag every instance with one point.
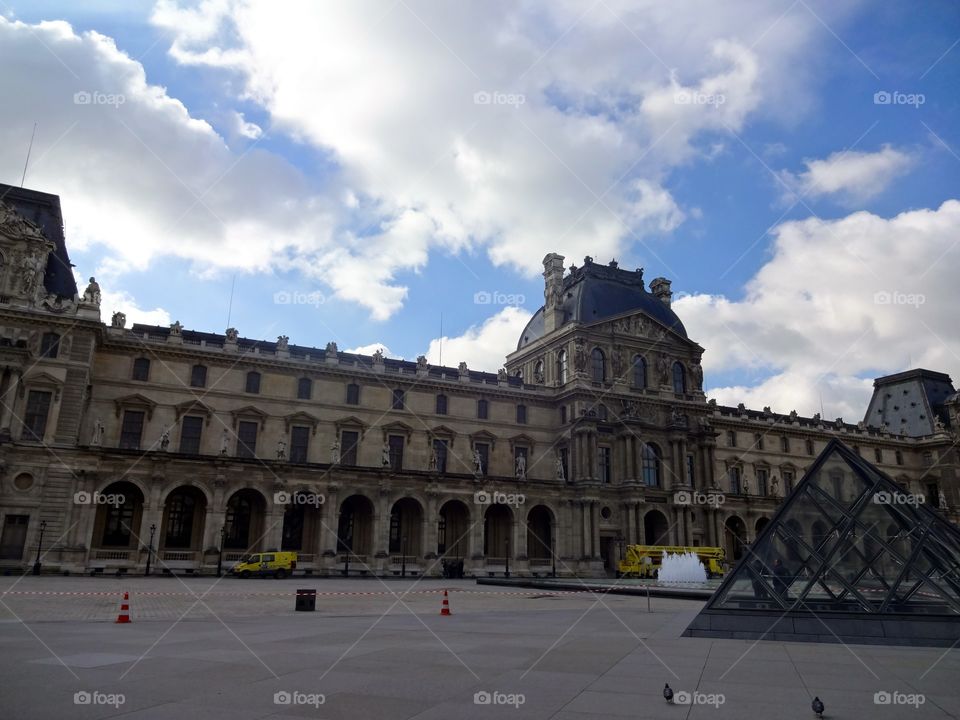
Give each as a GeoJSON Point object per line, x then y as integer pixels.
{"type": "Point", "coordinates": [364, 171]}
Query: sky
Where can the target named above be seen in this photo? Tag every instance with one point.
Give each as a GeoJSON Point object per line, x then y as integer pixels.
{"type": "Point", "coordinates": [390, 174]}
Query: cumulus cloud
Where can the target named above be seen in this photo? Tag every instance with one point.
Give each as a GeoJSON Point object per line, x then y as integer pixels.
{"type": "Point", "coordinates": [480, 127]}
{"type": "Point", "coordinates": [837, 302]}
{"type": "Point", "coordinates": [111, 302]}
{"type": "Point", "coordinates": [483, 346]}
{"type": "Point", "coordinates": [372, 348]}
{"type": "Point", "coordinates": [852, 176]}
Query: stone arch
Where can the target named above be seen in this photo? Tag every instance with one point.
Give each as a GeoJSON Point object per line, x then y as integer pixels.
{"type": "Point", "coordinates": [540, 529]}
{"type": "Point", "coordinates": [656, 529]}
{"type": "Point", "coordinates": [184, 516]}
{"type": "Point", "coordinates": [355, 526]}
{"type": "Point", "coordinates": [119, 514]}
{"type": "Point", "coordinates": [172, 485]}
{"type": "Point", "coordinates": [453, 529]}
{"type": "Point", "coordinates": [244, 520]}
{"type": "Point", "coordinates": [406, 527]}
{"type": "Point", "coordinates": [497, 531]}
{"type": "Point", "coordinates": [761, 523]}
{"type": "Point", "coordinates": [302, 520]}
{"type": "Point", "coordinates": [735, 537]}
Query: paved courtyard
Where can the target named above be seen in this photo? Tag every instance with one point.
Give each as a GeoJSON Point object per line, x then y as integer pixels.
{"type": "Point", "coordinates": [237, 649]}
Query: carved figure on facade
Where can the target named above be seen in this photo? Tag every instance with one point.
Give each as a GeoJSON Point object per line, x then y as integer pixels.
{"type": "Point", "coordinates": [96, 437]}
{"type": "Point", "coordinates": [432, 463]}
{"type": "Point", "coordinates": [335, 452]}
{"type": "Point", "coordinates": [281, 449]}
{"type": "Point", "coordinates": [521, 467]}
{"type": "Point", "coordinates": [176, 329]}
{"type": "Point", "coordinates": [696, 374]}
{"type": "Point", "coordinates": [118, 320]}
{"type": "Point", "coordinates": [331, 349]}
{"type": "Point", "coordinates": [283, 342]}
{"type": "Point", "coordinates": [477, 463]}
{"type": "Point", "coordinates": [232, 335]}
{"type": "Point", "coordinates": [92, 293]}
{"type": "Point", "coordinates": [378, 355]}
{"type": "Point", "coordinates": [422, 365]}
{"type": "Point", "coordinates": [165, 438]}
{"type": "Point", "coordinates": [224, 441]}
{"type": "Point", "coordinates": [502, 375]}
{"type": "Point", "coordinates": [579, 355]}
{"type": "Point", "coordinates": [385, 455]}
{"type": "Point", "coordinates": [663, 368]}
{"type": "Point", "coordinates": [558, 467]}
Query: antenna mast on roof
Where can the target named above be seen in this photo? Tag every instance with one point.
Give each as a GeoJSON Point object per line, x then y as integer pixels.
{"type": "Point", "coordinates": [440, 359]}
{"type": "Point", "coordinates": [27, 161]}
{"type": "Point", "coordinates": [233, 284]}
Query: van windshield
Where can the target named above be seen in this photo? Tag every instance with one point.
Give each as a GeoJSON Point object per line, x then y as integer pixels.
{"type": "Point", "coordinates": [250, 558]}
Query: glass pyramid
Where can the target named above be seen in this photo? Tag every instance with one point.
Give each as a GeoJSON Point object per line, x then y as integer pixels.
{"type": "Point", "coordinates": [847, 542]}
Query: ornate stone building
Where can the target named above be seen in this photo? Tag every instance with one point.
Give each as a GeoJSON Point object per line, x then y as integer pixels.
{"type": "Point", "coordinates": [197, 447]}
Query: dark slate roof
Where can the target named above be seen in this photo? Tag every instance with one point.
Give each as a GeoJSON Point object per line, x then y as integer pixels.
{"type": "Point", "coordinates": [266, 347]}
{"type": "Point", "coordinates": [43, 209]}
{"type": "Point", "coordinates": [907, 402]}
{"type": "Point", "coordinates": [595, 292]}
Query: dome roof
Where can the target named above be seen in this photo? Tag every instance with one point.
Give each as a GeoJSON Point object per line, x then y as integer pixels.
{"type": "Point", "coordinates": [596, 292]}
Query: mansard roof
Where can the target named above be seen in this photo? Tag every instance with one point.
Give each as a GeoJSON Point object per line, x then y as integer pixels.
{"type": "Point", "coordinates": [595, 292]}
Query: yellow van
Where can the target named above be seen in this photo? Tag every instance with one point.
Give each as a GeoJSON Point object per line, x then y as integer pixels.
{"type": "Point", "coordinates": [644, 560]}
{"type": "Point", "coordinates": [278, 564]}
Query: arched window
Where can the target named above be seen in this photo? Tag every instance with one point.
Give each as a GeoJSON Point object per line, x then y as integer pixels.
{"type": "Point", "coordinates": [639, 372]}
{"type": "Point", "coordinates": [141, 369]}
{"type": "Point", "coordinates": [253, 382]}
{"type": "Point", "coordinates": [304, 388]}
{"type": "Point", "coordinates": [679, 379]}
{"type": "Point", "coordinates": [651, 465]}
{"type": "Point", "coordinates": [562, 367]}
{"type": "Point", "coordinates": [599, 365]}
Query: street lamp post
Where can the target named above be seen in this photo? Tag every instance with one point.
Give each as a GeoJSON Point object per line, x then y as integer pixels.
{"type": "Point", "coordinates": [403, 558]}
{"type": "Point", "coordinates": [553, 555]}
{"type": "Point", "coordinates": [223, 533]}
{"type": "Point", "coordinates": [153, 529]}
{"type": "Point", "coordinates": [36, 564]}
{"type": "Point", "coordinates": [506, 560]}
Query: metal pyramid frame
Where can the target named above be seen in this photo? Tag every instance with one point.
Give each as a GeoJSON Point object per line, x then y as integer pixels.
{"type": "Point", "coordinates": [850, 556]}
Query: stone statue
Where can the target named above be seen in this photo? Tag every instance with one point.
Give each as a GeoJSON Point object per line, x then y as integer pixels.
{"type": "Point", "coordinates": [793, 416]}
{"type": "Point", "coordinates": [283, 342]}
{"type": "Point", "coordinates": [378, 355]}
{"type": "Point", "coordinates": [281, 449]}
{"type": "Point", "coordinates": [332, 348]}
{"type": "Point", "coordinates": [164, 438]}
{"type": "Point", "coordinates": [92, 293]}
{"type": "Point", "coordinates": [422, 363]}
{"type": "Point", "coordinates": [704, 423]}
{"type": "Point", "coordinates": [579, 355]}
{"type": "Point", "coordinates": [432, 464]}
{"type": "Point", "coordinates": [31, 268]}
{"type": "Point", "coordinates": [942, 501]}
{"type": "Point", "coordinates": [741, 407]}
{"type": "Point", "coordinates": [224, 441]}
{"type": "Point", "coordinates": [176, 328]}
{"type": "Point", "coordinates": [521, 467]}
{"type": "Point", "coordinates": [767, 410]}
{"type": "Point", "coordinates": [477, 463]}
{"type": "Point", "coordinates": [462, 367]}
{"type": "Point", "coordinates": [663, 369]}
{"type": "Point", "coordinates": [502, 375]}
{"type": "Point", "coordinates": [938, 426]}
{"type": "Point", "coordinates": [677, 417]}
{"type": "Point", "coordinates": [746, 485]}
{"type": "Point", "coordinates": [696, 374]}
{"type": "Point", "coordinates": [97, 437]}
{"type": "Point", "coordinates": [558, 468]}
{"type": "Point", "coordinates": [538, 372]}
{"type": "Point", "coordinates": [335, 452]}
{"type": "Point", "coordinates": [775, 486]}
{"type": "Point", "coordinates": [838, 423]}
{"type": "Point", "coordinates": [385, 455]}
{"type": "Point", "coordinates": [232, 335]}
{"type": "Point", "coordinates": [616, 361]}
{"type": "Point", "coordinates": [16, 225]}
{"type": "Point", "coordinates": [816, 418]}
{"type": "Point", "coordinates": [118, 320]}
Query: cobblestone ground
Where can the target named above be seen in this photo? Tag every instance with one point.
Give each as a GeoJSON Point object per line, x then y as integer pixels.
{"type": "Point", "coordinates": [230, 648]}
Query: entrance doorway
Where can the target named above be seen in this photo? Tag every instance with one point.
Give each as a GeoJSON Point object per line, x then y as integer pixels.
{"type": "Point", "coordinates": [14, 536]}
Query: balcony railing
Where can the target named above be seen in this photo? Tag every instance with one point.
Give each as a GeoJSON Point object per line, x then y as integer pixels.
{"type": "Point", "coordinates": [179, 555]}
{"type": "Point", "coordinates": [111, 554]}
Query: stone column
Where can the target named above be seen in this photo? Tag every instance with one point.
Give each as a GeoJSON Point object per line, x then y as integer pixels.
{"type": "Point", "coordinates": [273, 528]}
{"type": "Point", "coordinates": [519, 541]}
{"type": "Point", "coordinates": [595, 523]}
{"type": "Point", "coordinates": [329, 525]}
{"type": "Point", "coordinates": [381, 524]}
{"type": "Point", "coordinates": [430, 529]}
{"type": "Point", "coordinates": [641, 526]}
{"type": "Point", "coordinates": [476, 533]}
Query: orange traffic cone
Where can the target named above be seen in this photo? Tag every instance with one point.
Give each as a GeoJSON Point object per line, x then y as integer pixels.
{"type": "Point", "coordinates": [445, 608]}
{"type": "Point", "coordinates": [124, 616]}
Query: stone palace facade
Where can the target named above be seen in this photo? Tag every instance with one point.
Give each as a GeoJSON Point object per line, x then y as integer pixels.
{"type": "Point", "coordinates": [118, 443]}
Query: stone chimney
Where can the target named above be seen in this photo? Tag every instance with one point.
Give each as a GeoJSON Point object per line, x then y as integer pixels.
{"type": "Point", "coordinates": [552, 292]}
{"type": "Point", "coordinates": [660, 287]}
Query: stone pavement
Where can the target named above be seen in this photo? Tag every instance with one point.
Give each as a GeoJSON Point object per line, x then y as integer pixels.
{"type": "Point", "coordinates": [371, 651]}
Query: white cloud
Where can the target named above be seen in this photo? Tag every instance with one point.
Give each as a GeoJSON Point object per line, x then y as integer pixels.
{"type": "Point", "coordinates": [372, 348]}
{"type": "Point", "coordinates": [112, 302]}
{"type": "Point", "coordinates": [853, 176]}
{"type": "Point", "coordinates": [578, 167]}
{"type": "Point", "coordinates": [482, 347]}
{"type": "Point", "coordinates": [242, 128]}
{"type": "Point", "coordinates": [855, 297]}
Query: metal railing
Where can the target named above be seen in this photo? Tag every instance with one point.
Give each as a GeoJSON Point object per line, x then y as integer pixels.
{"type": "Point", "coordinates": [111, 554]}
{"type": "Point", "coordinates": [179, 555]}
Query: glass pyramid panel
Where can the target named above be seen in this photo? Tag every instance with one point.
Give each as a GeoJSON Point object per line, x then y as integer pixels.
{"type": "Point", "coordinates": [848, 540]}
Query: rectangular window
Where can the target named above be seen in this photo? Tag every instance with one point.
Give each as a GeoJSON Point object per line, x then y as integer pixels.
{"type": "Point", "coordinates": [785, 444]}
{"type": "Point", "coordinates": [483, 409]}
{"type": "Point", "coordinates": [35, 417]}
{"type": "Point", "coordinates": [787, 482]}
{"type": "Point", "coordinates": [395, 443]}
{"type": "Point", "coordinates": [734, 475]}
{"type": "Point", "coordinates": [131, 430]}
{"type": "Point", "coordinates": [190, 430]}
{"type": "Point", "coordinates": [690, 471]}
{"type": "Point", "coordinates": [441, 404]}
{"type": "Point", "coordinates": [253, 382]}
{"type": "Point", "coordinates": [353, 394]}
{"type": "Point", "coordinates": [563, 414]}
{"type": "Point", "coordinates": [440, 451]}
{"type": "Point", "coordinates": [521, 414]}
{"type": "Point", "coordinates": [50, 345]}
{"type": "Point", "coordinates": [304, 388]}
{"type": "Point", "coordinates": [483, 450]}
{"type": "Point", "coordinates": [349, 439]}
{"type": "Point", "coordinates": [878, 455]}
{"type": "Point", "coordinates": [604, 459]}
{"type": "Point", "coordinates": [141, 369]}
{"type": "Point", "coordinates": [247, 439]}
{"type": "Point", "coordinates": [758, 441]}
{"type": "Point", "coordinates": [299, 443]}
{"type": "Point", "coordinates": [398, 399]}
{"type": "Point", "coordinates": [14, 537]}
{"type": "Point", "coordinates": [899, 457]}
{"type": "Point", "coordinates": [731, 438]}
{"type": "Point", "coordinates": [762, 476]}
{"type": "Point", "coordinates": [810, 447]}
{"type": "Point", "coordinates": [198, 376]}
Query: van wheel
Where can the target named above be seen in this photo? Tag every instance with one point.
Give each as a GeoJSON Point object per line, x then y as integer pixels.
{"type": "Point", "coordinates": [244, 574]}
{"type": "Point", "coordinates": [280, 574]}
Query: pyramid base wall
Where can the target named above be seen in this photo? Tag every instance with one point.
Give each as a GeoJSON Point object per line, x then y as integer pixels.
{"type": "Point", "coordinates": [825, 628]}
